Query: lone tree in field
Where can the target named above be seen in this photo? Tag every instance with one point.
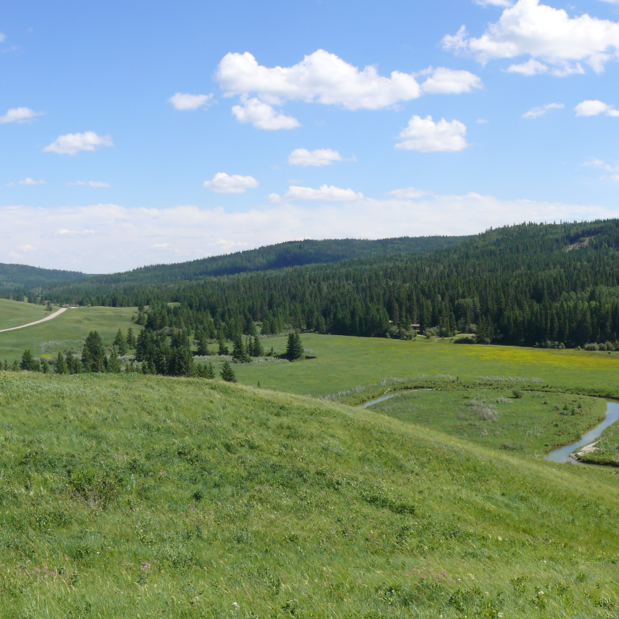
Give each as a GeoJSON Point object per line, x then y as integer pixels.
{"type": "Point", "coordinates": [93, 353]}
{"type": "Point", "coordinates": [294, 348]}
{"type": "Point", "coordinates": [27, 362]}
{"type": "Point", "coordinates": [227, 373]}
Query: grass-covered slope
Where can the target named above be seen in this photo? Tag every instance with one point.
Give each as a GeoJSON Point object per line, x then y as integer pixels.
{"type": "Point", "coordinates": [157, 497]}
{"type": "Point", "coordinates": [16, 313]}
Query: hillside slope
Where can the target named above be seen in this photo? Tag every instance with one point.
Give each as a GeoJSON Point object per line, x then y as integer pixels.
{"type": "Point", "coordinates": [20, 277]}
{"type": "Point", "coordinates": [144, 496]}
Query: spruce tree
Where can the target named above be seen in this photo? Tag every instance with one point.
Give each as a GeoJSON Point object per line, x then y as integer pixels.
{"type": "Point", "coordinates": [294, 348]}
{"type": "Point", "coordinates": [60, 366]}
{"type": "Point", "coordinates": [44, 366]}
{"type": "Point", "coordinates": [113, 363]}
{"type": "Point", "coordinates": [120, 343]}
{"type": "Point", "coordinates": [227, 373]}
{"type": "Point", "coordinates": [131, 343]}
{"type": "Point", "coordinates": [27, 361]}
{"type": "Point", "coordinates": [256, 348]}
{"type": "Point", "coordinates": [239, 353]}
{"type": "Point", "coordinates": [202, 345]}
{"type": "Point", "coordinates": [93, 354]}
{"type": "Point", "coordinates": [209, 371]}
{"type": "Point", "coordinates": [223, 349]}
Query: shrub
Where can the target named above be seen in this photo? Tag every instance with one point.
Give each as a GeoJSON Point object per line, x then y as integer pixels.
{"type": "Point", "coordinates": [517, 393]}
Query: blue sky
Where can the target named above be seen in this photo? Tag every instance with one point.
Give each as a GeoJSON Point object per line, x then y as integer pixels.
{"type": "Point", "coordinates": [147, 132]}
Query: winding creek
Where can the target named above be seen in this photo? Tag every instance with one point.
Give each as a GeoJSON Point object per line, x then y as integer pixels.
{"type": "Point", "coordinates": [563, 454]}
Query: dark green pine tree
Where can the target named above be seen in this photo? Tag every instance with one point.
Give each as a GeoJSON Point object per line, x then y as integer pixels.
{"type": "Point", "coordinates": [202, 345]}
{"type": "Point", "coordinates": [256, 348]}
{"type": "Point", "coordinates": [239, 353]}
{"type": "Point", "coordinates": [113, 363]}
{"type": "Point", "coordinates": [27, 361]}
{"type": "Point", "coordinates": [93, 353]}
{"type": "Point", "coordinates": [209, 371]}
{"type": "Point", "coordinates": [294, 348]}
{"type": "Point", "coordinates": [131, 342]}
{"type": "Point", "coordinates": [227, 373]}
{"type": "Point", "coordinates": [223, 349]}
{"type": "Point", "coordinates": [74, 365]}
{"type": "Point", "coordinates": [120, 343]}
{"type": "Point", "coordinates": [44, 366]}
{"type": "Point", "coordinates": [60, 367]}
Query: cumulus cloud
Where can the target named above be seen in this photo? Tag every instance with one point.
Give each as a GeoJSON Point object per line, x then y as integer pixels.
{"type": "Point", "coordinates": [223, 183]}
{"type": "Point", "coordinates": [545, 34]}
{"type": "Point", "coordinates": [536, 112]}
{"type": "Point", "coordinates": [185, 101]}
{"type": "Point", "coordinates": [321, 77]}
{"type": "Point", "coordinates": [19, 115]}
{"type": "Point", "coordinates": [594, 108]}
{"type": "Point", "coordinates": [106, 237]}
{"type": "Point", "coordinates": [424, 135]}
{"type": "Point", "coordinates": [26, 248]}
{"type": "Point", "coordinates": [31, 181]}
{"type": "Point", "coordinates": [444, 81]}
{"type": "Point", "coordinates": [528, 68]}
{"type": "Point", "coordinates": [407, 193]}
{"type": "Point", "coordinates": [262, 116]}
{"type": "Point", "coordinates": [326, 193]}
{"type": "Point", "coordinates": [73, 143]}
{"type": "Point", "coordinates": [317, 158]}
{"type": "Point", "coordinates": [89, 184]}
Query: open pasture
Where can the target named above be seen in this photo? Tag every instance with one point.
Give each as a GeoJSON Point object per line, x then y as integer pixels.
{"type": "Point", "coordinates": [66, 331]}
{"type": "Point", "coordinates": [15, 313]}
{"type": "Point", "coordinates": [157, 497]}
{"type": "Point", "coordinates": [342, 363]}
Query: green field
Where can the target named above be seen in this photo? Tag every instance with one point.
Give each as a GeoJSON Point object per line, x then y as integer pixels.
{"type": "Point", "coordinates": [14, 313]}
{"type": "Point", "coordinates": [343, 363]}
{"type": "Point", "coordinates": [141, 496]}
{"type": "Point", "coordinates": [67, 331]}
{"type": "Point", "coordinates": [532, 424]}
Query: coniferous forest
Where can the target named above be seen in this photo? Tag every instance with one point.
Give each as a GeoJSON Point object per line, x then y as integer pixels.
{"type": "Point", "coordinates": [550, 285]}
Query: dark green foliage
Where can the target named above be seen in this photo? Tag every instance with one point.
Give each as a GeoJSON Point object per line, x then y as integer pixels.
{"type": "Point", "coordinates": [27, 361]}
{"type": "Point", "coordinates": [113, 363]}
{"type": "Point", "coordinates": [60, 367]}
{"type": "Point", "coordinates": [16, 278]}
{"type": "Point", "coordinates": [294, 347]}
{"type": "Point", "coordinates": [227, 373]}
{"type": "Point", "coordinates": [223, 349]}
{"type": "Point", "coordinates": [204, 371]}
{"type": "Point", "coordinates": [239, 352]}
{"type": "Point", "coordinates": [74, 365]}
{"type": "Point", "coordinates": [256, 347]}
{"type": "Point", "coordinates": [120, 343]}
{"type": "Point", "coordinates": [44, 366]}
{"type": "Point", "coordinates": [131, 341]}
{"type": "Point", "coordinates": [93, 353]}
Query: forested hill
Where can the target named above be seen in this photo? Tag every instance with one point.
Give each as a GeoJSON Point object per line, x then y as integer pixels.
{"type": "Point", "coordinates": [546, 284]}
{"type": "Point", "coordinates": [294, 253]}
{"type": "Point", "coordinates": [20, 276]}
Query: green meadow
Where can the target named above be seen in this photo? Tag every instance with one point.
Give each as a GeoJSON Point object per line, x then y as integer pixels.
{"type": "Point", "coordinates": [15, 313]}
{"type": "Point", "coordinates": [343, 363]}
{"type": "Point", "coordinates": [143, 496]}
{"type": "Point", "coordinates": [66, 331]}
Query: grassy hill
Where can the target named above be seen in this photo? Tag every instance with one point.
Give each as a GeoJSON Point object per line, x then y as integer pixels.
{"type": "Point", "coordinates": [145, 496]}
{"type": "Point", "coordinates": [16, 313]}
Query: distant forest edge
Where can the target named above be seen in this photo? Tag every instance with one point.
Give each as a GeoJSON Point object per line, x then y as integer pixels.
{"type": "Point", "coordinates": [551, 285]}
{"type": "Point", "coordinates": [17, 280]}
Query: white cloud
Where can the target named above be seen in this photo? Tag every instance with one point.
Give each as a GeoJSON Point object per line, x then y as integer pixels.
{"type": "Point", "coordinates": [424, 135]}
{"type": "Point", "coordinates": [89, 184]}
{"type": "Point", "coordinates": [599, 164]}
{"type": "Point", "coordinates": [2, 37]}
{"type": "Point", "coordinates": [544, 33]}
{"type": "Point", "coordinates": [19, 115]}
{"type": "Point", "coordinates": [528, 68]}
{"type": "Point", "coordinates": [317, 158]}
{"type": "Point", "coordinates": [223, 183]}
{"type": "Point", "coordinates": [73, 143]}
{"type": "Point", "coordinates": [494, 2]}
{"type": "Point", "coordinates": [482, 121]}
{"type": "Point", "coordinates": [444, 81]}
{"type": "Point", "coordinates": [263, 116]}
{"type": "Point", "coordinates": [106, 237]}
{"type": "Point", "coordinates": [26, 248]}
{"type": "Point", "coordinates": [593, 108]}
{"type": "Point", "coordinates": [407, 193]}
{"type": "Point", "coordinates": [30, 181]}
{"type": "Point", "coordinates": [185, 101]}
{"type": "Point", "coordinates": [536, 112]}
{"type": "Point", "coordinates": [326, 193]}
{"type": "Point", "coordinates": [321, 77]}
